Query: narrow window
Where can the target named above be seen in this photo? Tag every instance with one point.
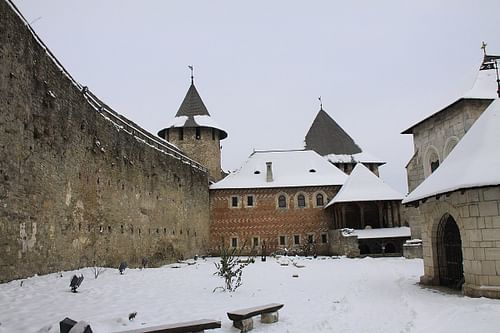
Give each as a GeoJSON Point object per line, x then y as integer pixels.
{"type": "Point", "coordinates": [234, 201]}
{"type": "Point", "coordinates": [319, 200]}
{"type": "Point", "coordinates": [296, 239]}
{"type": "Point", "coordinates": [250, 201]}
{"type": "Point", "coordinates": [213, 133]}
{"type": "Point", "coordinates": [198, 133]}
{"type": "Point", "coordinates": [181, 133]}
{"type": "Point", "coordinates": [282, 201]}
{"type": "Point", "coordinates": [324, 238]}
{"type": "Point", "coordinates": [434, 165]}
{"type": "Point", "coordinates": [234, 242]}
{"type": "Point", "coordinates": [255, 242]}
{"type": "Point", "coordinates": [167, 135]}
{"type": "Point", "coordinates": [282, 240]}
{"type": "Point", "coordinates": [301, 201]}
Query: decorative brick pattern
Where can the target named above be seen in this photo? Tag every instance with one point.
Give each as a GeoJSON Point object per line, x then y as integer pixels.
{"type": "Point", "coordinates": [267, 221]}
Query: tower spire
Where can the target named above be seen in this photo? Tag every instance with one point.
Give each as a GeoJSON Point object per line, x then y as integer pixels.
{"type": "Point", "coordinates": [320, 103]}
{"type": "Point", "coordinates": [192, 75]}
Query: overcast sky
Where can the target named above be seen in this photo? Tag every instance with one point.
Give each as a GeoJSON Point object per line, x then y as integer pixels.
{"type": "Point", "coordinates": [260, 66]}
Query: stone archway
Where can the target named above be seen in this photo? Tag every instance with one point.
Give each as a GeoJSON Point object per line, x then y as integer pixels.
{"type": "Point", "coordinates": [449, 253]}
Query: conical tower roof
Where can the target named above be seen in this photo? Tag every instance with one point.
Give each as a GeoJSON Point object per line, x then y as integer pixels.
{"type": "Point", "coordinates": [193, 113]}
{"type": "Point", "coordinates": [326, 137]}
{"type": "Point", "coordinates": [192, 105]}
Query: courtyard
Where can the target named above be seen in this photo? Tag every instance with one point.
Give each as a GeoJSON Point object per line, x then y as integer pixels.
{"type": "Point", "coordinates": [329, 295]}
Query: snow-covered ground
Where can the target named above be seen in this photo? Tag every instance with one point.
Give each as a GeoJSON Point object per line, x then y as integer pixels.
{"type": "Point", "coordinates": [330, 295]}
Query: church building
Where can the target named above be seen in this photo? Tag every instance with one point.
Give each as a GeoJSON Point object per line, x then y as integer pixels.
{"type": "Point", "coordinates": [454, 184]}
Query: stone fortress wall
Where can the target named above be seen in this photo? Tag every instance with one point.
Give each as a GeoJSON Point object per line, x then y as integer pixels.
{"type": "Point", "coordinates": [79, 184]}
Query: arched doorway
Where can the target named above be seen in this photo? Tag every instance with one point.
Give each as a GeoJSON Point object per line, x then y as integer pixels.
{"type": "Point", "coordinates": [449, 248]}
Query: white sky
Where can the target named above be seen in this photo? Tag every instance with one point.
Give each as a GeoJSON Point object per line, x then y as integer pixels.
{"type": "Point", "coordinates": [380, 66]}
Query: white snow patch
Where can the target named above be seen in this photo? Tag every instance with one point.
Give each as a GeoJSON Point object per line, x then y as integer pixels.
{"type": "Point", "coordinates": [328, 296]}
{"type": "Point", "coordinates": [364, 185]}
{"type": "Point", "coordinates": [474, 162]}
{"type": "Point", "coordinates": [289, 168]}
{"type": "Point", "coordinates": [382, 233]}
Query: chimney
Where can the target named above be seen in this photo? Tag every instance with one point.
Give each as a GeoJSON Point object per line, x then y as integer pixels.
{"type": "Point", "coordinates": [269, 172]}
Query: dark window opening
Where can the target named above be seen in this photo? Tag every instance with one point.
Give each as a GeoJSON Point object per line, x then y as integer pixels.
{"type": "Point", "coordinates": [324, 238]}
{"type": "Point", "coordinates": [255, 241]}
{"type": "Point", "coordinates": [213, 133]}
{"type": "Point", "coordinates": [198, 133]}
{"type": "Point", "coordinates": [282, 201]}
{"type": "Point", "coordinates": [301, 200]}
{"type": "Point", "coordinates": [250, 201]}
{"type": "Point", "coordinates": [282, 240]}
{"type": "Point", "coordinates": [181, 133]}
{"type": "Point", "coordinates": [434, 166]}
{"type": "Point", "coordinates": [234, 242]}
{"type": "Point", "coordinates": [319, 200]}
{"type": "Point", "coordinates": [296, 239]}
{"type": "Point", "coordinates": [234, 201]}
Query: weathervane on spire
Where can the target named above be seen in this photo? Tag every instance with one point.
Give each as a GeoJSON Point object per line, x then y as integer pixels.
{"type": "Point", "coordinates": [320, 103]}
{"type": "Point", "coordinates": [192, 75]}
{"type": "Point", "coordinates": [483, 47]}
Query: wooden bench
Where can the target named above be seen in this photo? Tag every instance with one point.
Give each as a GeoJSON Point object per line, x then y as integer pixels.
{"type": "Point", "coordinates": [242, 319]}
{"type": "Point", "coordinates": [197, 326]}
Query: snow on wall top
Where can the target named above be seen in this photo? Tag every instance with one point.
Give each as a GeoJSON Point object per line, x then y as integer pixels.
{"type": "Point", "coordinates": [364, 185]}
{"type": "Point", "coordinates": [290, 168]}
{"type": "Point", "coordinates": [378, 233]}
{"type": "Point", "coordinates": [474, 162]}
{"type": "Point", "coordinates": [362, 157]}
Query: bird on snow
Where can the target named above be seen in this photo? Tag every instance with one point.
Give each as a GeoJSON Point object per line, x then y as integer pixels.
{"type": "Point", "coordinates": [123, 266]}
{"type": "Point", "coordinates": [132, 315]}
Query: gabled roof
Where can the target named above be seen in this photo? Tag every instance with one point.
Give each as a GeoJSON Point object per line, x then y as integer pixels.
{"type": "Point", "coordinates": [193, 113]}
{"type": "Point", "coordinates": [326, 137]}
{"type": "Point", "coordinates": [484, 87]}
{"type": "Point", "coordinates": [364, 185]}
{"type": "Point", "coordinates": [290, 168]}
{"type": "Point", "coordinates": [474, 162]}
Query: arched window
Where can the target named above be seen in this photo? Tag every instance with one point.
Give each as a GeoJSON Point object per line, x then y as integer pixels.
{"type": "Point", "coordinates": [301, 201]}
{"type": "Point", "coordinates": [319, 200]}
{"type": "Point", "coordinates": [282, 201]}
{"type": "Point", "coordinates": [431, 161]}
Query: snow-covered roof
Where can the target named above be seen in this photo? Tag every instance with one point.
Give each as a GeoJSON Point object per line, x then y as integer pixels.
{"type": "Point", "coordinates": [364, 185]}
{"type": "Point", "coordinates": [193, 113]}
{"type": "Point", "coordinates": [484, 87]}
{"type": "Point", "coordinates": [362, 157]}
{"type": "Point", "coordinates": [290, 168]}
{"type": "Point", "coordinates": [474, 161]}
{"type": "Point", "coordinates": [378, 233]}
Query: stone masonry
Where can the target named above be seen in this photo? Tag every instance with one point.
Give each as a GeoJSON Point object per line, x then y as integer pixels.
{"type": "Point", "coordinates": [477, 215]}
{"type": "Point", "coordinates": [79, 184]}
{"type": "Point", "coordinates": [436, 137]}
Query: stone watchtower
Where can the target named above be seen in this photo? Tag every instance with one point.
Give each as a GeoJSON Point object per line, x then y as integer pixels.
{"type": "Point", "coordinates": [194, 131]}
